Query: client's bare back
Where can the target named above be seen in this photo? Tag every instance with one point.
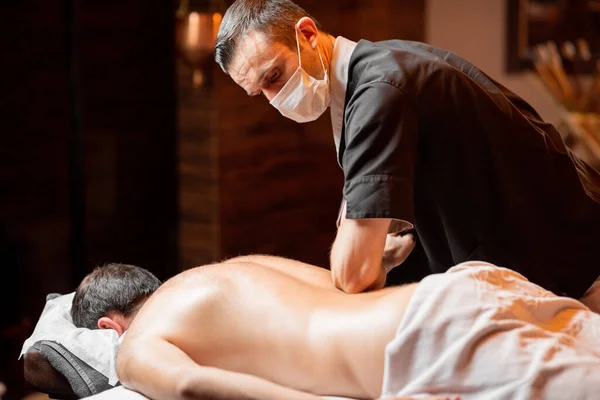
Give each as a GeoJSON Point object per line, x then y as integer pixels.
{"type": "Point", "coordinates": [277, 319]}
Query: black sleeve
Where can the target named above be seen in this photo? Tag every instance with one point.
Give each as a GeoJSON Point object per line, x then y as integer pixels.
{"type": "Point", "coordinates": [378, 160]}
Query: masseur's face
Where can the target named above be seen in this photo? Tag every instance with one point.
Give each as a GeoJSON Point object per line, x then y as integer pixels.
{"type": "Point", "coordinates": [262, 66]}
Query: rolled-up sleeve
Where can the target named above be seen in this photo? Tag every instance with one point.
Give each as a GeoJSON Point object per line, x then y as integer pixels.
{"type": "Point", "coordinates": [378, 160]}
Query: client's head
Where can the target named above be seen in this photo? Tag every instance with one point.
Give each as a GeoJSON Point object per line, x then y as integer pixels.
{"type": "Point", "coordinates": [111, 295]}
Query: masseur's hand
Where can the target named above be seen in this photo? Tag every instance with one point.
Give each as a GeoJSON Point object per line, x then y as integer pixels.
{"type": "Point", "coordinates": [396, 250]}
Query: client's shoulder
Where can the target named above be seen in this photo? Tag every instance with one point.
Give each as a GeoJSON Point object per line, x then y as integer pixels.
{"type": "Point", "coordinates": [181, 297]}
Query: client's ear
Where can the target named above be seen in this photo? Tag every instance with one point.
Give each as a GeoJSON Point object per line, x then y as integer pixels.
{"type": "Point", "coordinates": [112, 323]}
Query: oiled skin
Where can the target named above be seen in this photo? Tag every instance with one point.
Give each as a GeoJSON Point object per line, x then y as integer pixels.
{"type": "Point", "coordinates": [276, 319]}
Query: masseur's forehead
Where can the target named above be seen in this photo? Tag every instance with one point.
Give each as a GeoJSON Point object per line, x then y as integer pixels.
{"type": "Point", "coordinates": [255, 54]}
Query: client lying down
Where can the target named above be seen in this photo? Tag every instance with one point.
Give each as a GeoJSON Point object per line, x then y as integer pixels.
{"type": "Point", "coordinates": [261, 327]}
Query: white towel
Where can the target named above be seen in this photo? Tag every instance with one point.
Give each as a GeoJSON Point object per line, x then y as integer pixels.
{"type": "Point", "coordinates": [484, 332]}
{"type": "Point", "coordinates": [98, 348]}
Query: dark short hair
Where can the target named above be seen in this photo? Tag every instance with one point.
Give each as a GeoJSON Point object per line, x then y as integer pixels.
{"type": "Point", "coordinates": [275, 18]}
{"type": "Point", "coordinates": [110, 288]}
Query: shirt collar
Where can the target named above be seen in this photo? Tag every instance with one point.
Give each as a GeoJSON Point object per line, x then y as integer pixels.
{"type": "Point", "coordinates": [340, 63]}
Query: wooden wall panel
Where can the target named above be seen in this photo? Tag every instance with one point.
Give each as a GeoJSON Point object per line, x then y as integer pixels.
{"type": "Point", "coordinates": [199, 224]}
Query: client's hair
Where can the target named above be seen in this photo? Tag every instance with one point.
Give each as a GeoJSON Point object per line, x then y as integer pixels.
{"type": "Point", "coordinates": [110, 288]}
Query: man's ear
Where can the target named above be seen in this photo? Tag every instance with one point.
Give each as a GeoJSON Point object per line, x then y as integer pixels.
{"type": "Point", "coordinates": [308, 29]}
{"type": "Point", "coordinates": [109, 323]}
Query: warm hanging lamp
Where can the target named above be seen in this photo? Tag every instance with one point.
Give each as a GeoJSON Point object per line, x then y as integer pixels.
{"type": "Point", "coordinates": [196, 30]}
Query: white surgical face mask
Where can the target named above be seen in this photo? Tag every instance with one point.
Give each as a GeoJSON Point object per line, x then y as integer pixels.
{"type": "Point", "coordinates": [303, 98]}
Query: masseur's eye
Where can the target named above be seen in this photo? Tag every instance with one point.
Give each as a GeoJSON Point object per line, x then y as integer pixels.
{"type": "Point", "coordinates": [273, 76]}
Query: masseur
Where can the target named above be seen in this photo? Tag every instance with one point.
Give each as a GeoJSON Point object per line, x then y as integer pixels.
{"type": "Point", "coordinates": [264, 328]}
{"type": "Point", "coordinates": [425, 137]}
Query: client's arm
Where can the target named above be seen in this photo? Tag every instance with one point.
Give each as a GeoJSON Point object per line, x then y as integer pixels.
{"type": "Point", "coordinates": [160, 370]}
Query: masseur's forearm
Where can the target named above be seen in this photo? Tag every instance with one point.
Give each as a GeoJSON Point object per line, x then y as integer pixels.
{"type": "Point", "coordinates": [357, 280]}
{"type": "Point", "coordinates": [357, 253]}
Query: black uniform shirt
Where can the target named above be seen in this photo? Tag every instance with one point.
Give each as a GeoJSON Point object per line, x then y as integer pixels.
{"type": "Point", "coordinates": [430, 139]}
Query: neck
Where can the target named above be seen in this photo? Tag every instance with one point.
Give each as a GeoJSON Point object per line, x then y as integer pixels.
{"type": "Point", "coordinates": [326, 49]}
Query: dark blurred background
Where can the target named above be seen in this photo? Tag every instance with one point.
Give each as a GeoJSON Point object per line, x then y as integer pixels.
{"type": "Point", "coordinates": [108, 153]}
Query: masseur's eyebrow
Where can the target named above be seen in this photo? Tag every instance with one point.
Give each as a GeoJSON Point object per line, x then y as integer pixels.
{"type": "Point", "coordinates": [261, 77]}
{"type": "Point", "coordinates": [260, 80]}
{"type": "Point", "coordinates": [275, 63]}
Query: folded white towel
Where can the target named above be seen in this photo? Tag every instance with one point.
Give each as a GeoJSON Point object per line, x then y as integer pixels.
{"type": "Point", "coordinates": [97, 348]}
